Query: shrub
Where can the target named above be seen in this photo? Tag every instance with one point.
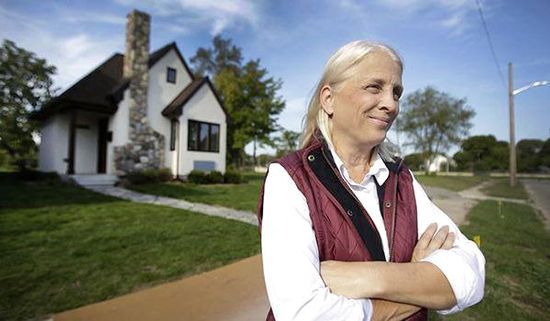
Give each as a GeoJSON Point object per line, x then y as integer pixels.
{"type": "Point", "coordinates": [215, 177]}
{"type": "Point", "coordinates": [149, 176]}
{"type": "Point", "coordinates": [232, 177]}
{"type": "Point", "coordinates": [197, 177]}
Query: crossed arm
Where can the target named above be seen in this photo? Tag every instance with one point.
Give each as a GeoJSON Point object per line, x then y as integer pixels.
{"type": "Point", "coordinates": [297, 283]}
{"type": "Point", "coordinates": [400, 289]}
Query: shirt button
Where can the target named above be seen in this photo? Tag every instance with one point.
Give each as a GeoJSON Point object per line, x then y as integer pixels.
{"type": "Point", "coordinates": [388, 204]}
{"type": "Point", "coordinates": [350, 213]}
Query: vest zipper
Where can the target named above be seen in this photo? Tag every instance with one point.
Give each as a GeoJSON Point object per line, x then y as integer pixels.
{"type": "Point", "coordinates": [394, 211]}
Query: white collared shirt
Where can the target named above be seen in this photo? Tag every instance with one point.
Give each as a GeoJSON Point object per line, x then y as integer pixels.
{"type": "Point", "coordinates": [291, 257]}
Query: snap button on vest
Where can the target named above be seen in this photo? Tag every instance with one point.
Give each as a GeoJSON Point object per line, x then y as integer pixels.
{"type": "Point", "coordinates": [388, 204]}
{"type": "Point", "coordinates": [311, 158]}
{"type": "Point", "coordinates": [350, 213]}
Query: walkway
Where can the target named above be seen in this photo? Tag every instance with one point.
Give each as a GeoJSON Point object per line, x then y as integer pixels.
{"type": "Point", "coordinates": [235, 292]}
{"type": "Point", "coordinates": [539, 193]}
{"type": "Point", "coordinates": [229, 213]}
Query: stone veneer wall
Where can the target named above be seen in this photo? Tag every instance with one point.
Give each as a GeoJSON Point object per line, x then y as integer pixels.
{"type": "Point", "coordinates": [145, 149]}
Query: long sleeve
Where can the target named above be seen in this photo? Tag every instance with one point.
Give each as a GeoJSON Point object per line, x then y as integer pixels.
{"type": "Point", "coordinates": [463, 265]}
{"type": "Point", "coordinates": [290, 256]}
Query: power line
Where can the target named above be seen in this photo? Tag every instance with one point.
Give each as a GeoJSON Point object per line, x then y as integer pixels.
{"type": "Point", "coordinates": [490, 42]}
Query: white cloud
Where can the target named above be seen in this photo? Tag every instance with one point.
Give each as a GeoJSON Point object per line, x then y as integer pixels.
{"type": "Point", "coordinates": [74, 55]}
{"type": "Point", "coordinates": [92, 17]}
{"type": "Point", "coordinates": [456, 14]}
{"type": "Point", "coordinates": [219, 15]}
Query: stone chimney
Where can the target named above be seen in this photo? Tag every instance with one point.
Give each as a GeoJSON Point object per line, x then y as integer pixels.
{"type": "Point", "coordinates": [145, 148]}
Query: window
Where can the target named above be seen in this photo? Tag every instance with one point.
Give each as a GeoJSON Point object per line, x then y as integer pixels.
{"type": "Point", "coordinates": [171, 75]}
{"type": "Point", "coordinates": [204, 137]}
{"type": "Point", "coordinates": [173, 134]}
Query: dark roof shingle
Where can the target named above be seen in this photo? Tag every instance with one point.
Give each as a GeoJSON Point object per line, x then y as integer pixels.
{"type": "Point", "coordinates": [102, 88]}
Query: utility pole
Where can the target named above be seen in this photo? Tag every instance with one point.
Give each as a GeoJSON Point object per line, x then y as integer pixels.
{"type": "Point", "coordinates": [513, 169]}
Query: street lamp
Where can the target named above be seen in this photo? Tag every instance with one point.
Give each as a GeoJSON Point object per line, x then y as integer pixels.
{"type": "Point", "coordinates": [511, 94]}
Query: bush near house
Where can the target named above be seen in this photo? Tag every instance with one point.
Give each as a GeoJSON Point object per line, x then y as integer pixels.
{"type": "Point", "coordinates": [149, 176]}
{"type": "Point", "coordinates": [214, 177]}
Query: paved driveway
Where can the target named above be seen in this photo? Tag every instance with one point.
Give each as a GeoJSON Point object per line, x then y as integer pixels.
{"type": "Point", "coordinates": [539, 192]}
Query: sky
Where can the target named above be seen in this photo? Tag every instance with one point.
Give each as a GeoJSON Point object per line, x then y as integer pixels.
{"type": "Point", "coordinates": [443, 44]}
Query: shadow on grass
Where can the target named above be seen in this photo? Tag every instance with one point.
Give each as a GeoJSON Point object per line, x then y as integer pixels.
{"type": "Point", "coordinates": [18, 193]}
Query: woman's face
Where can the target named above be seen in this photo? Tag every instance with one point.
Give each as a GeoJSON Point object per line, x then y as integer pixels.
{"type": "Point", "coordinates": [364, 106]}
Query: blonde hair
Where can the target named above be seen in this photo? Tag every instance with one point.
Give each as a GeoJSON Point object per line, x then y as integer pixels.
{"type": "Point", "coordinates": [337, 70]}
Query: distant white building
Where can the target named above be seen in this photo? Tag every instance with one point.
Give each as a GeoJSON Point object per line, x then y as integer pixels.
{"type": "Point", "coordinates": [135, 111]}
{"type": "Point", "coordinates": [440, 163]}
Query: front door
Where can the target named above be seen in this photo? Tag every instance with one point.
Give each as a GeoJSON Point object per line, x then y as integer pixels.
{"type": "Point", "coordinates": [102, 128]}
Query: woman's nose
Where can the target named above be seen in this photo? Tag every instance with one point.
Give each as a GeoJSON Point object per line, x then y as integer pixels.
{"type": "Point", "coordinates": [388, 102]}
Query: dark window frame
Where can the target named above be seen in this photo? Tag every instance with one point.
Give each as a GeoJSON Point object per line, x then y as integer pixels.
{"type": "Point", "coordinates": [171, 72]}
{"type": "Point", "coordinates": [211, 146]}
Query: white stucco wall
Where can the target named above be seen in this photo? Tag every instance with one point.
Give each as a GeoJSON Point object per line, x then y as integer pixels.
{"type": "Point", "coordinates": [202, 107]}
{"type": "Point", "coordinates": [54, 144]}
{"type": "Point", "coordinates": [160, 94]}
{"type": "Point", "coordinates": [119, 125]}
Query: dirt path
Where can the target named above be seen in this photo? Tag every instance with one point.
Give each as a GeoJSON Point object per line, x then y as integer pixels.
{"type": "Point", "coordinates": [235, 292]}
{"type": "Point", "coordinates": [452, 203]}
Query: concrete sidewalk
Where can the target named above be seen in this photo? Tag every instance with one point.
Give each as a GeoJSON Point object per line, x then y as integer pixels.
{"type": "Point", "coordinates": [235, 292]}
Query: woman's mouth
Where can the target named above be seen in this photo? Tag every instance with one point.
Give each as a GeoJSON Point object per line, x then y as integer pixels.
{"type": "Point", "coordinates": [380, 121]}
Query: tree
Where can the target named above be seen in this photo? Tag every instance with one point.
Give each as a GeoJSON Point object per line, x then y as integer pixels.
{"type": "Point", "coordinates": [287, 142]}
{"type": "Point", "coordinates": [248, 93]}
{"type": "Point", "coordinates": [482, 153]}
{"type": "Point", "coordinates": [544, 154]}
{"type": "Point", "coordinates": [434, 121]}
{"type": "Point", "coordinates": [415, 161]}
{"type": "Point", "coordinates": [528, 151]}
{"type": "Point", "coordinates": [26, 84]}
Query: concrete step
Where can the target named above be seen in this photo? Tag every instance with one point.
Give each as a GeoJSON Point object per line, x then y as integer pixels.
{"type": "Point", "coordinates": [95, 179]}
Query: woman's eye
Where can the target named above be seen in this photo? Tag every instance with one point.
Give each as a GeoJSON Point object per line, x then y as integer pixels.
{"type": "Point", "coordinates": [374, 88]}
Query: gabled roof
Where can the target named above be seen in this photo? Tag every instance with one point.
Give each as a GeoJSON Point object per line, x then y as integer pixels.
{"type": "Point", "coordinates": [102, 88]}
{"type": "Point", "coordinates": [175, 107]}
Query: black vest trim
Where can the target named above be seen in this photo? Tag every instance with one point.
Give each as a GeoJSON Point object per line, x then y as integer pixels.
{"type": "Point", "coordinates": [324, 168]}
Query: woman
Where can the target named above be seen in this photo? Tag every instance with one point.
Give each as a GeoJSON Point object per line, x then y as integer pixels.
{"type": "Point", "coordinates": [345, 201]}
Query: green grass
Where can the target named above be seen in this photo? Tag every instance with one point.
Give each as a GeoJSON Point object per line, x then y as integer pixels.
{"type": "Point", "coordinates": [62, 247]}
{"type": "Point", "coordinates": [517, 249]}
{"type": "Point", "coordinates": [238, 196]}
{"type": "Point", "coordinates": [453, 183]}
{"type": "Point", "coordinates": [501, 188]}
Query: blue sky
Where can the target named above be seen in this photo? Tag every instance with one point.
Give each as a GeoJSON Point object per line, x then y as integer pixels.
{"type": "Point", "coordinates": [442, 42]}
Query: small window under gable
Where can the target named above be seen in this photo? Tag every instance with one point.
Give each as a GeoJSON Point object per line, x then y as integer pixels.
{"type": "Point", "coordinates": [171, 75]}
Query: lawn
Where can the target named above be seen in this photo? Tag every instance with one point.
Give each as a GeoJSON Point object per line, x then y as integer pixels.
{"type": "Point", "coordinates": [62, 247]}
{"type": "Point", "coordinates": [238, 196]}
{"type": "Point", "coordinates": [453, 183]}
{"type": "Point", "coordinates": [501, 188]}
{"type": "Point", "coordinates": [517, 249]}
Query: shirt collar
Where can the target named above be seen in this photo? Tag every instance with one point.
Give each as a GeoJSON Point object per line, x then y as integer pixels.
{"type": "Point", "coordinates": [378, 169]}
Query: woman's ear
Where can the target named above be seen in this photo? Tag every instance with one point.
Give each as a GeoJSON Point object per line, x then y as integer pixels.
{"type": "Point", "coordinates": [326, 97]}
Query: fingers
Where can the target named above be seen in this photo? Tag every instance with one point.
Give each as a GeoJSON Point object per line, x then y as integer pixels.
{"type": "Point", "coordinates": [449, 241]}
{"type": "Point", "coordinates": [439, 238]}
{"type": "Point", "coordinates": [427, 236]}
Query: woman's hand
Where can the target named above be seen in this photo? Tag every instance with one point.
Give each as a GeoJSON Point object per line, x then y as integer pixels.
{"type": "Point", "coordinates": [429, 242]}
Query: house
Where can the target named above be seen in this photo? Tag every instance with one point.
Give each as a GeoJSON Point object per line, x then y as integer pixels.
{"type": "Point", "coordinates": [133, 112]}
{"type": "Point", "coordinates": [440, 163]}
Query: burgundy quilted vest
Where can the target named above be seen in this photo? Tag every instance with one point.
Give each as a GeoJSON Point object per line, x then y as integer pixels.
{"type": "Point", "coordinates": [316, 176]}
